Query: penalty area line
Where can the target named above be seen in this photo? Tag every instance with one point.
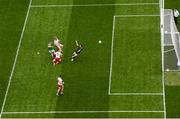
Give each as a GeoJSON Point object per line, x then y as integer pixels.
{"type": "Point", "coordinates": [68, 112]}
{"type": "Point", "coordinates": [94, 5]}
{"type": "Point", "coordinates": [112, 48]}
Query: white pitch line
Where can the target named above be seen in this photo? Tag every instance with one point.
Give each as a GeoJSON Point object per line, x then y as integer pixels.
{"type": "Point", "coordinates": [161, 7]}
{"type": "Point", "coordinates": [137, 94]}
{"type": "Point", "coordinates": [93, 5]}
{"type": "Point", "coordinates": [140, 15]}
{"type": "Point", "coordinates": [17, 52]}
{"type": "Point", "coordinates": [112, 47]}
{"type": "Point", "coordinates": [68, 112]}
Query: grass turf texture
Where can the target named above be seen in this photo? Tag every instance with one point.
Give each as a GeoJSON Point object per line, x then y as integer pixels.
{"type": "Point", "coordinates": [12, 15]}
{"type": "Point", "coordinates": [172, 101]}
{"type": "Point", "coordinates": [173, 89]}
{"type": "Point", "coordinates": [135, 66]}
{"type": "Point", "coordinates": [33, 86]}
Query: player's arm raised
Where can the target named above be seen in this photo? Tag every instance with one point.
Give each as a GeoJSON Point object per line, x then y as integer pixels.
{"type": "Point", "coordinates": [77, 43]}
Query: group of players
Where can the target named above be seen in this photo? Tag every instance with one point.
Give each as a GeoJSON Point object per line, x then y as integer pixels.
{"type": "Point", "coordinates": [57, 51]}
{"type": "Point", "coordinates": [55, 48]}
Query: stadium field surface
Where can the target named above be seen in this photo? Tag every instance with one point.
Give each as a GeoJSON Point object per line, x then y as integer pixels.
{"type": "Point", "coordinates": [121, 77]}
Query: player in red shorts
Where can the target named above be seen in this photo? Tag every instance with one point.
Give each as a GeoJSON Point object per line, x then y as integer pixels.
{"type": "Point", "coordinates": [60, 86]}
{"type": "Point", "coordinates": [57, 58]}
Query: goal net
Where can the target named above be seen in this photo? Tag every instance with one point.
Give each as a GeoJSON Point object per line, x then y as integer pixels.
{"type": "Point", "coordinates": [171, 34]}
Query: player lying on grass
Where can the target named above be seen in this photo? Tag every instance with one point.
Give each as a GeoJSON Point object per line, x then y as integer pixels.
{"type": "Point", "coordinates": [58, 44]}
{"type": "Point", "coordinates": [57, 59]}
{"type": "Point", "coordinates": [51, 49]}
{"type": "Point", "coordinates": [60, 86]}
{"type": "Point", "coordinates": [77, 51]}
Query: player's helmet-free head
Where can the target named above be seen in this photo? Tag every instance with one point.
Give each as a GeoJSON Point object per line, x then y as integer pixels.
{"type": "Point", "coordinates": [60, 75]}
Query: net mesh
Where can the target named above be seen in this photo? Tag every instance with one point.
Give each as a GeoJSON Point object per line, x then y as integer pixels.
{"type": "Point", "coordinates": [171, 34]}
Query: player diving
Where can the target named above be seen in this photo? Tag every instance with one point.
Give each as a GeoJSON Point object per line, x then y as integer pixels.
{"type": "Point", "coordinates": [77, 51]}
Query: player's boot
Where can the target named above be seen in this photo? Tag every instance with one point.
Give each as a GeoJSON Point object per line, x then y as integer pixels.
{"type": "Point", "coordinates": [62, 93]}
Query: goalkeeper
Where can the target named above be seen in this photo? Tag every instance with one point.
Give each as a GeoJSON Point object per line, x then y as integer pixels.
{"type": "Point", "coordinates": [77, 51]}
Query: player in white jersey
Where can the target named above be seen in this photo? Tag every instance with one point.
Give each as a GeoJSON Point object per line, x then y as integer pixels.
{"type": "Point", "coordinates": [60, 86]}
{"type": "Point", "coordinates": [58, 44]}
{"type": "Point", "coordinates": [57, 58]}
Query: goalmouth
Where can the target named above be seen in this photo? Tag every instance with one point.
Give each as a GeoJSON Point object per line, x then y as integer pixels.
{"type": "Point", "coordinates": [171, 38]}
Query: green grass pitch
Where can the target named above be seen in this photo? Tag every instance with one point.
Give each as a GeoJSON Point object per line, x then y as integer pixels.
{"type": "Point", "coordinates": [105, 80]}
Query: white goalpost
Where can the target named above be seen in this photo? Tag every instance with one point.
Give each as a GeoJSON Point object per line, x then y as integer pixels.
{"type": "Point", "coordinates": [171, 34]}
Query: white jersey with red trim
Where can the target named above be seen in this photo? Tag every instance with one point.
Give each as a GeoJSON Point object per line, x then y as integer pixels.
{"type": "Point", "coordinates": [58, 54]}
{"type": "Point", "coordinates": [57, 42]}
{"type": "Point", "coordinates": [60, 81]}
